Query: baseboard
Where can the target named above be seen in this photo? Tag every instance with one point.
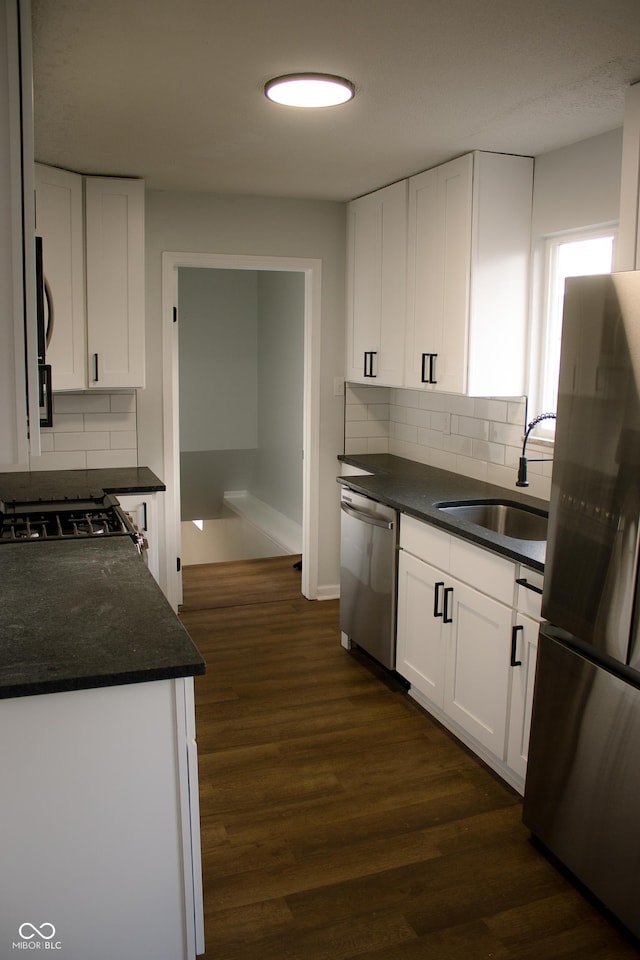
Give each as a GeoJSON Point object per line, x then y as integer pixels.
{"type": "Point", "coordinates": [329, 592]}
{"type": "Point", "coordinates": [282, 530]}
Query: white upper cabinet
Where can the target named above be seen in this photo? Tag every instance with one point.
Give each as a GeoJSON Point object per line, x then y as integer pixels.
{"type": "Point", "coordinates": [60, 223]}
{"type": "Point", "coordinates": [376, 286]}
{"type": "Point", "coordinates": [93, 253]}
{"type": "Point", "coordinates": [114, 238]}
{"type": "Point", "coordinates": [468, 269]}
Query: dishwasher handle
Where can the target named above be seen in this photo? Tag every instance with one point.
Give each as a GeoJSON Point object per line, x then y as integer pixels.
{"type": "Point", "coordinates": [366, 517]}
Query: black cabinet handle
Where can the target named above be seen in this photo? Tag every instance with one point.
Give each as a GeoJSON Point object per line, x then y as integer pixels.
{"type": "Point", "coordinates": [514, 643]}
{"type": "Point", "coordinates": [368, 363]}
{"type": "Point", "coordinates": [95, 367]}
{"type": "Point", "coordinates": [428, 376]}
{"type": "Point", "coordinates": [447, 593]}
{"type": "Point", "coordinates": [45, 394]}
{"type": "Point", "coordinates": [144, 515]}
{"type": "Point", "coordinates": [436, 599]}
{"type": "Point", "coordinates": [530, 586]}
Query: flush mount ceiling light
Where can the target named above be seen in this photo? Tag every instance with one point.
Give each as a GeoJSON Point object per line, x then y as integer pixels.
{"type": "Point", "coordinates": [309, 90]}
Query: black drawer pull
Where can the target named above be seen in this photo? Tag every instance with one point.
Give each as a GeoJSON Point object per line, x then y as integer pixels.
{"type": "Point", "coordinates": [436, 598]}
{"type": "Point", "coordinates": [530, 586]}
{"type": "Point", "coordinates": [514, 642]}
{"type": "Point", "coordinates": [447, 593]}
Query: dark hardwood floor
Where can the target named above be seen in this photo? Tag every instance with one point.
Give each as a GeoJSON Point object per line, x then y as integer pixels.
{"type": "Point", "coordinates": [338, 820]}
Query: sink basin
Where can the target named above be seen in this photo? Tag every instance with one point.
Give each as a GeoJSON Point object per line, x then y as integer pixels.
{"type": "Point", "coordinates": [509, 519]}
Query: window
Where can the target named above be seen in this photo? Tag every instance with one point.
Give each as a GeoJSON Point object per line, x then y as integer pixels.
{"type": "Point", "coordinates": [575, 255]}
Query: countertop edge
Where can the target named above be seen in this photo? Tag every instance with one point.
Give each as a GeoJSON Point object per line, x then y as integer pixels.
{"type": "Point", "coordinates": [39, 688]}
{"type": "Point", "coordinates": [381, 473]}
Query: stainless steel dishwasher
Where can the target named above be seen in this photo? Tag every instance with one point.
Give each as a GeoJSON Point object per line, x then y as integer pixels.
{"type": "Point", "coordinates": [368, 575]}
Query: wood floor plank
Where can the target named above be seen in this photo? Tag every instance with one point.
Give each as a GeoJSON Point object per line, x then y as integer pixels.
{"type": "Point", "coordinates": [338, 819]}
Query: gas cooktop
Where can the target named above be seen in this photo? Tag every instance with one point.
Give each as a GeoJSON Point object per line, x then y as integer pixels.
{"type": "Point", "coordinates": [71, 518]}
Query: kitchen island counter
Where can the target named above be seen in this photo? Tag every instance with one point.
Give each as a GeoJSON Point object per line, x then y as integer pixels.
{"type": "Point", "coordinates": [415, 489]}
{"type": "Point", "coordinates": [79, 614]}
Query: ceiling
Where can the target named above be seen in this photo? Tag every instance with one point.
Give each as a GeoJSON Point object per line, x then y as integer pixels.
{"type": "Point", "coordinates": [171, 90]}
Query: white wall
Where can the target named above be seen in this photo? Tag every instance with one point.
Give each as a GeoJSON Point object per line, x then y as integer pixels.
{"type": "Point", "coordinates": [218, 343]}
{"type": "Point", "coordinates": [578, 186]}
{"type": "Point", "coordinates": [278, 476]}
{"type": "Point", "coordinates": [253, 226]}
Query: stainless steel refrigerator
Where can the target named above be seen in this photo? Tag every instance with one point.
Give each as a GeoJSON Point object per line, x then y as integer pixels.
{"type": "Point", "coordinates": [582, 795]}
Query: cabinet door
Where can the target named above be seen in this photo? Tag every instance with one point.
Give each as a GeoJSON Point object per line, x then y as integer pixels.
{"type": "Point", "coordinates": [376, 286]}
{"type": "Point", "coordinates": [439, 259]}
{"type": "Point", "coordinates": [419, 645]}
{"type": "Point", "coordinates": [477, 665]}
{"type": "Point", "coordinates": [525, 649]}
{"type": "Point", "coordinates": [114, 211]}
{"type": "Point", "coordinates": [143, 509]}
{"type": "Point", "coordinates": [59, 221]}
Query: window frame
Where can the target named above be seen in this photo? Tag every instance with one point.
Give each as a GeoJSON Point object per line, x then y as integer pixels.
{"type": "Point", "coordinates": [545, 265]}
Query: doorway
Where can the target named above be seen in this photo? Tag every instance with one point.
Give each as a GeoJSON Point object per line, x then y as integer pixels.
{"type": "Point", "coordinates": [241, 351]}
{"type": "Point", "coordinates": [172, 263]}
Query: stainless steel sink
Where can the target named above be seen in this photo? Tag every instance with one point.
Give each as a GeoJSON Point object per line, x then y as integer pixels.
{"type": "Point", "coordinates": [509, 519]}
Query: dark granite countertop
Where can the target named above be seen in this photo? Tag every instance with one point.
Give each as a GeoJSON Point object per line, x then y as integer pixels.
{"type": "Point", "coordinates": [415, 488]}
{"type": "Point", "coordinates": [77, 614]}
{"type": "Point", "coordinates": [31, 485]}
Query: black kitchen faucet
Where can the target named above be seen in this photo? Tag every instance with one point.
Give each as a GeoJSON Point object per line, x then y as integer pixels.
{"type": "Point", "coordinates": [522, 466]}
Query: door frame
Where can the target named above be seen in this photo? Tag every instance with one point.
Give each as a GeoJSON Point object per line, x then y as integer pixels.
{"type": "Point", "coordinates": [311, 268]}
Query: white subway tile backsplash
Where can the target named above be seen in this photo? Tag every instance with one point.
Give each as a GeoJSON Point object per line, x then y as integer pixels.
{"type": "Point", "coordinates": [377, 445]}
{"type": "Point", "coordinates": [81, 403]}
{"type": "Point", "coordinates": [355, 411]}
{"type": "Point", "coordinates": [418, 418]}
{"type": "Point", "coordinates": [71, 460]}
{"type": "Point", "coordinates": [488, 409]}
{"type": "Point", "coordinates": [378, 411]}
{"type": "Point", "coordinates": [98, 459]}
{"type": "Point", "coordinates": [123, 403]}
{"type": "Point", "coordinates": [67, 423]}
{"type": "Point", "coordinates": [479, 437]}
{"type": "Point", "coordinates": [516, 412]}
{"type": "Point", "coordinates": [470, 427]}
{"type": "Point", "coordinates": [491, 452]}
{"type": "Point", "coordinates": [109, 421]}
{"type": "Point", "coordinates": [90, 429]}
{"type": "Point", "coordinates": [124, 440]}
{"type": "Point", "coordinates": [81, 441]}
{"type": "Point", "coordinates": [507, 433]}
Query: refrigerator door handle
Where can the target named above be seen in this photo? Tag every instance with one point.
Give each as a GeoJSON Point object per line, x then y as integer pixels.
{"type": "Point", "coordinates": [514, 644]}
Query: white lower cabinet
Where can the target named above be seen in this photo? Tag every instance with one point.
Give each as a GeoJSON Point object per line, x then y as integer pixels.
{"type": "Point", "coordinates": [143, 510]}
{"type": "Point", "coordinates": [453, 645]}
{"type": "Point", "coordinates": [103, 849]}
{"type": "Point", "coordinates": [465, 648]}
{"type": "Point", "coordinates": [524, 652]}
{"type": "Point", "coordinates": [525, 648]}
